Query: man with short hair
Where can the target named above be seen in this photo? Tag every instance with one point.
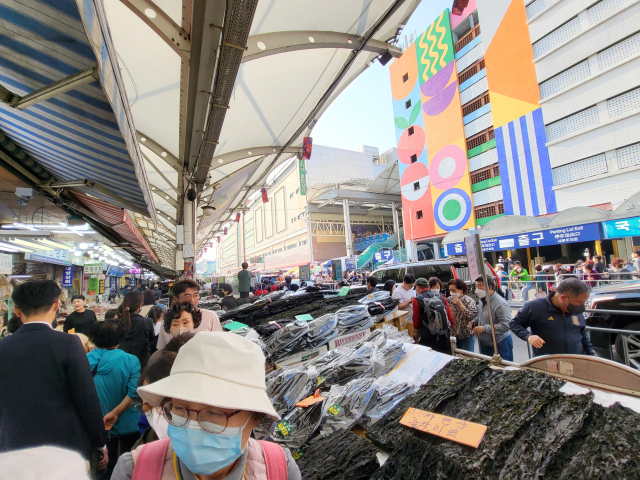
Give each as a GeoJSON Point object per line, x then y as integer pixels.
{"type": "Point", "coordinates": [371, 284]}
{"type": "Point", "coordinates": [188, 290]}
{"type": "Point", "coordinates": [81, 319]}
{"type": "Point", "coordinates": [430, 319]}
{"type": "Point", "coordinates": [556, 322]}
{"type": "Point", "coordinates": [244, 281]}
{"type": "Point", "coordinates": [405, 294]}
{"type": "Point", "coordinates": [598, 264]}
{"type": "Point", "coordinates": [501, 315]}
{"type": "Point", "coordinates": [47, 394]}
{"type": "Point", "coordinates": [287, 282]}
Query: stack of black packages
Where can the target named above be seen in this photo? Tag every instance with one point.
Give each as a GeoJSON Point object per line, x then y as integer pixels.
{"type": "Point", "coordinates": [286, 387]}
{"type": "Point", "coordinates": [388, 356]}
{"type": "Point", "coordinates": [379, 302]}
{"type": "Point", "coordinates": [322, 330]}
{"type": "Point", "coordinates": [288, 340]}
{"type": "Point", "coordinates": [353, 319]}
{"type": "Point", "coordinates": [347, 404]}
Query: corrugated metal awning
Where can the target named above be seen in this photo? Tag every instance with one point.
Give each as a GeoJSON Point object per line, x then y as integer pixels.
{"type": "Point", "coordinates": [84, 133]}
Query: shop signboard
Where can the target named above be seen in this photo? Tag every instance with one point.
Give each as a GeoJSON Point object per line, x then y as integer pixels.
{"type": "Point", "coordinates": [6, 264]}
{"type": "Point", "coordinates": [101, 286]}
{"type": "Point", "coordinates": [113, 284]}
{"type": "Point", "coordinates": [114, 271]}
{"type": "Point", "coordinates": [626, 227]}
{"type": "Point", "coordinates": [93, 285]}
{"type": "Point", "coordinates": [58, 256]}
{"type": "Point", "coordinates": [67, 277]}
{"type": "Point", "coordinates": [303, 176]}
{"type": "Point", "coordinates": [305, 273]}
{"type": "Point", "coordinates": [350, 263]}
{"type": "Point", "coordinates": [93, 269]}
{"type": "Point", "coordinates": [135, 271]}
{"type": "Point", "coordinates": [543, 238]}
{"type": "Point", "coordinates": [361, 244]}
{"type": "Point", "coordinates": [122, 282]}
{"type": "Point", "coordinates": [77, 286]}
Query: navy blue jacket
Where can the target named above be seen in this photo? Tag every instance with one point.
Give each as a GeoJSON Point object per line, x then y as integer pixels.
{"type": "Point", "coordinates": [561, 333]}
{"type": "Point", "coordinates": [47, 395]}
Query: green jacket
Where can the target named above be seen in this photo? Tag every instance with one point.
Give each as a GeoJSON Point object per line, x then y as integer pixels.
{"type": "Point", "coordinates": [523, 276]}
{"type": "Point", "coordinates": [244, 281]}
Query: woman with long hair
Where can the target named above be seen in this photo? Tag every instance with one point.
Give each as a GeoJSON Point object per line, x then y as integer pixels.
{"type": "Point", "coordinates": [149, 300]}
{"type": "Point", "coordinates": [139, 335]}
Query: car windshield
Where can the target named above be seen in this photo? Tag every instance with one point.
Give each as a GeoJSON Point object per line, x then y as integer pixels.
{"type": "Point", "coordinates": [390, 274]}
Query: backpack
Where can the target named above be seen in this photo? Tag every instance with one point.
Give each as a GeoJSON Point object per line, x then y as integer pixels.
{"type": "Point", "coordinates": [434, 313]}
{"type": "Point", "coordinates": [150, 463]}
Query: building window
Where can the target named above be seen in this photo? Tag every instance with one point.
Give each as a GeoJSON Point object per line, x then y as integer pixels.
{"type": "Point", "coordinates": [410, 131]}
{"type": "Point", "coordinates": [416, 186]}
{"type": "Point", "coordinates": [414, 158]}
{"type": "Point", "coordinates": [419, 214]}
{"type": "Point", "coordinates": [303, 242]}
{"type": "Point", "coordinates": [496, 208]}
{"type": "Point", "coordinates": [407, 104]}
{"type": "Point", "coordinates": [405, 78]}
{"type": "Point", "coordinates": [297, 190]}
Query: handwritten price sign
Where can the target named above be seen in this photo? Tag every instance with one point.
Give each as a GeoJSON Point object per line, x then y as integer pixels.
{"type": "Point", "coordinates": [459, 431]}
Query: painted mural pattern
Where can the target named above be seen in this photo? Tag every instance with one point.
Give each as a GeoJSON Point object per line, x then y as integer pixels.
{"type": "Point", "coordinates": [434, 174]}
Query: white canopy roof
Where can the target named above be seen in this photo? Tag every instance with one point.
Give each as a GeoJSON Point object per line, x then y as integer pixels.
{"type": "Point", "coordinates": [299, 56]}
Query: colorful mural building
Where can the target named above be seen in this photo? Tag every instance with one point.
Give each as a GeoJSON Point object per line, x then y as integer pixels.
{"type": "Point", "coordinates": [517, 108]}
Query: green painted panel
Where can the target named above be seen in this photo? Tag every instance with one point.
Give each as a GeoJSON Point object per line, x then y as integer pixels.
{"type": "Point", "coordinates": [434, 48]}
{"type": "Point", "coordinates": [488, 183]}
{"type": "Point", "coordinates": [482, 148]}
{"type": "Point", "coordinates": [485, 220]}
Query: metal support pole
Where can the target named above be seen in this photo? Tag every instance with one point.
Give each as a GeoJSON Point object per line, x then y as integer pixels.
{"type": "Point", "coordinates": [347, 227]}
{"type": "Point", "coordinates": [396, 222]}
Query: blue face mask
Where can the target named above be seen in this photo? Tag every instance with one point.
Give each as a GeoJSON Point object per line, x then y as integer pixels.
{"type": "Point", "coordinates": [205, 453]}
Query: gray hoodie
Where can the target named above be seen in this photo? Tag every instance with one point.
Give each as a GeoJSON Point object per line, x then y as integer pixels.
{"type": "Point", "coordinates": [501, 313]}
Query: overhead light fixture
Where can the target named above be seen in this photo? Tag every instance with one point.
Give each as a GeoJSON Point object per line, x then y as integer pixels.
{"type": "Point", "coordinates": [35, 245]}
{"type": "Point", "coordinates": [77, 253]}
{"type": "Point", "coordinates": [163, 154]}
{"type": "Point", "coordinates": [143, 139]}
{"type": "Point", "coordinates": [312, 40]}
{"type": "Point", "coordinates": [220, 160]}
{"type": "Point", "coordinates": [208, 210]}
{"type": "Point", "coordinates": [261, 46]}
{"type": "Point", "coordinates": [51, 243]}
{"type": "Point", "coordinates": [13, 248]}
{"type": "Point", "coordinates": [150, 12]}
{"type": "Point", "coordinates": [107, 248]}
{"type": "Point", "coordinates": [83, 246]}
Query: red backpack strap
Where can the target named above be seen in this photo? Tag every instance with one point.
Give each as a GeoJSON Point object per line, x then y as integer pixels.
{"type": "Point", "coordinates": [274, 460]}
{"type": "Point", "coordinates": [150, 462]}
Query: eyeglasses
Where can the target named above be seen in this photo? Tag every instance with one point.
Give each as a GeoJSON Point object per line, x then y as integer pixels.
{"type": "Point", "coordinates": [143, 408]}
{"type": "Point", "coordinates": [189, 296]}
{"type": "Point", "coordinates": [210, 419]}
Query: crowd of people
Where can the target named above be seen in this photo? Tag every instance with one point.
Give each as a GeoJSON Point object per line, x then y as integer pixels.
{"type": "Point", "coordinates": [514, 277]}
{"type": "Point", "coordinates": [145, 393]}
{"type": "Point", "coordinates": [552, 324]}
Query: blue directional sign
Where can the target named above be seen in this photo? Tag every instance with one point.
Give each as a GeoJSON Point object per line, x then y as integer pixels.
{"type": "Point", "coordinates": [542, 238]}
{"type": "Point", "coordinates": [383, 255]}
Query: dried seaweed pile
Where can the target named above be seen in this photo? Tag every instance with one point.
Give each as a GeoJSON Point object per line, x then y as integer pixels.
{"type": "Point", "coordinates": [444, 385]}
{"type": "Point", "coordinates": [341, 456]}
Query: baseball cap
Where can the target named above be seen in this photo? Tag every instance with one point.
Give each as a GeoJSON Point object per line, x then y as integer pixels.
{"type": "Point", "coordinates": [422, 282]}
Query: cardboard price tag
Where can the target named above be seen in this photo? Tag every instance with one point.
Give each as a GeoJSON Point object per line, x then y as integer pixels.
{"type": "Point", "coordinates": [460, 431]}
{"type": "Point", "coordinates": [312, 400]}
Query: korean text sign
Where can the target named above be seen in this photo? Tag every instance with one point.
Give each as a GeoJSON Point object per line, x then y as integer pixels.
{"type": "Point", "coordinates": [460, 431]}
{"type": "Point", "coordinates": [67, 277]}
{"type": "Point", "coordinates": [627, 227]}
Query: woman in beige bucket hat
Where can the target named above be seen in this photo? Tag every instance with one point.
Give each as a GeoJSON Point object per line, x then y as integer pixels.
{"type": "Point", "coordinates": [214, 397]}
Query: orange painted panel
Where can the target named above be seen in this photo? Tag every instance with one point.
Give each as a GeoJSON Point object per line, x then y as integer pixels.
{"type": "Point", "coordinates": [407, 64]}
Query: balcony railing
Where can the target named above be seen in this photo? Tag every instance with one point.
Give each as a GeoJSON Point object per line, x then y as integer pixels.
{"type": "Point", "coordinates": [486, 173]}
{"type": "Point", "coordinates": [475, 104]}
{"type": "Point", "coordinates": [480, 138]}
{"type": "Point", "coordinates": [471, 71]}
{"type": "Point", "coordinates": [489, 210]}
{"type": "Point", "coordinates": [466, 39]}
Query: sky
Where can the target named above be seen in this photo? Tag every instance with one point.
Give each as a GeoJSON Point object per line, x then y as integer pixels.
{"type": "Point", "coordinates": [363, 113]}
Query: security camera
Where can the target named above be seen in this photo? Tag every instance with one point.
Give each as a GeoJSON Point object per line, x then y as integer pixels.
{"type": "Point", "coordinates": [24, 195]}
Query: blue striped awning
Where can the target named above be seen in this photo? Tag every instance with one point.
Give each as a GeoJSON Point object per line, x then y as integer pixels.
{"type": "Point", "coordinates": [83, 133]}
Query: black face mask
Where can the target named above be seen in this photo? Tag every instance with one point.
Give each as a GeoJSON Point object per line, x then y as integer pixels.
{"type": "Point", "coordinates": [576, 309]}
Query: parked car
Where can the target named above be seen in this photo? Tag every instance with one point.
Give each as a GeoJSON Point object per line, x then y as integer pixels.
{"type": "Point", "coordinates": [444, 269]}
{"type": "Point", "coordinates": [616, 296]}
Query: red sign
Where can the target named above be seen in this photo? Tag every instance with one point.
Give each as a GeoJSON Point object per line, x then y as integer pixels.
{"type": "Point", "coordinates": [265, 197]}
{"type": "Point", "coordinates": [307, 143]}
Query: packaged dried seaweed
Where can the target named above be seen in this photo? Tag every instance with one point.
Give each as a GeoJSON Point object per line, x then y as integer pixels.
{"type": "Point", "coordinates": [341, 456]}
{"type": "Point", "coordinates": [388, 396]}
{"type": "Point", "coordinates": [347, 404]}
{"type": "Point", "coordinates": [296, 427]}
{"type": "Point", "coordinates": [286, 387]}
{"type": "Point", "coordinates": [445, 384]}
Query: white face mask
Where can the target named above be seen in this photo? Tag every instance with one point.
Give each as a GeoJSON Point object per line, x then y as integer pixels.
{"type": "Point", "coordinates": [435, 291]}
{"type": "Point", "coordinates": [158, 423]}
{"type": "Point", "coordinates": [455, 295]}
{"type": "Point", "coordinates": [481, 293]}
{"type": "Point", "coordinates": [519, 269]}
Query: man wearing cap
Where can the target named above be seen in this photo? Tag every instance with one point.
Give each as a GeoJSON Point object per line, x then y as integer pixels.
{"type": "Point", "coordinates": [427, 305]}
{"type": "Point", "coordinates": [214, 397]}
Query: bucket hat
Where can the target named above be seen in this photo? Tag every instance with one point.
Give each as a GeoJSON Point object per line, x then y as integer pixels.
{"type": "Point", "coordinates": [220, 369]}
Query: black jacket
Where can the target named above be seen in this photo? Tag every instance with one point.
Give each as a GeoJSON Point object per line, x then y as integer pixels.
{"type": "Point", "coordinates": [47, 394]}
{"type": "Point", "coordinates": [140, 338]}
{"type": "Point", "coordinates": [561, 333]}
